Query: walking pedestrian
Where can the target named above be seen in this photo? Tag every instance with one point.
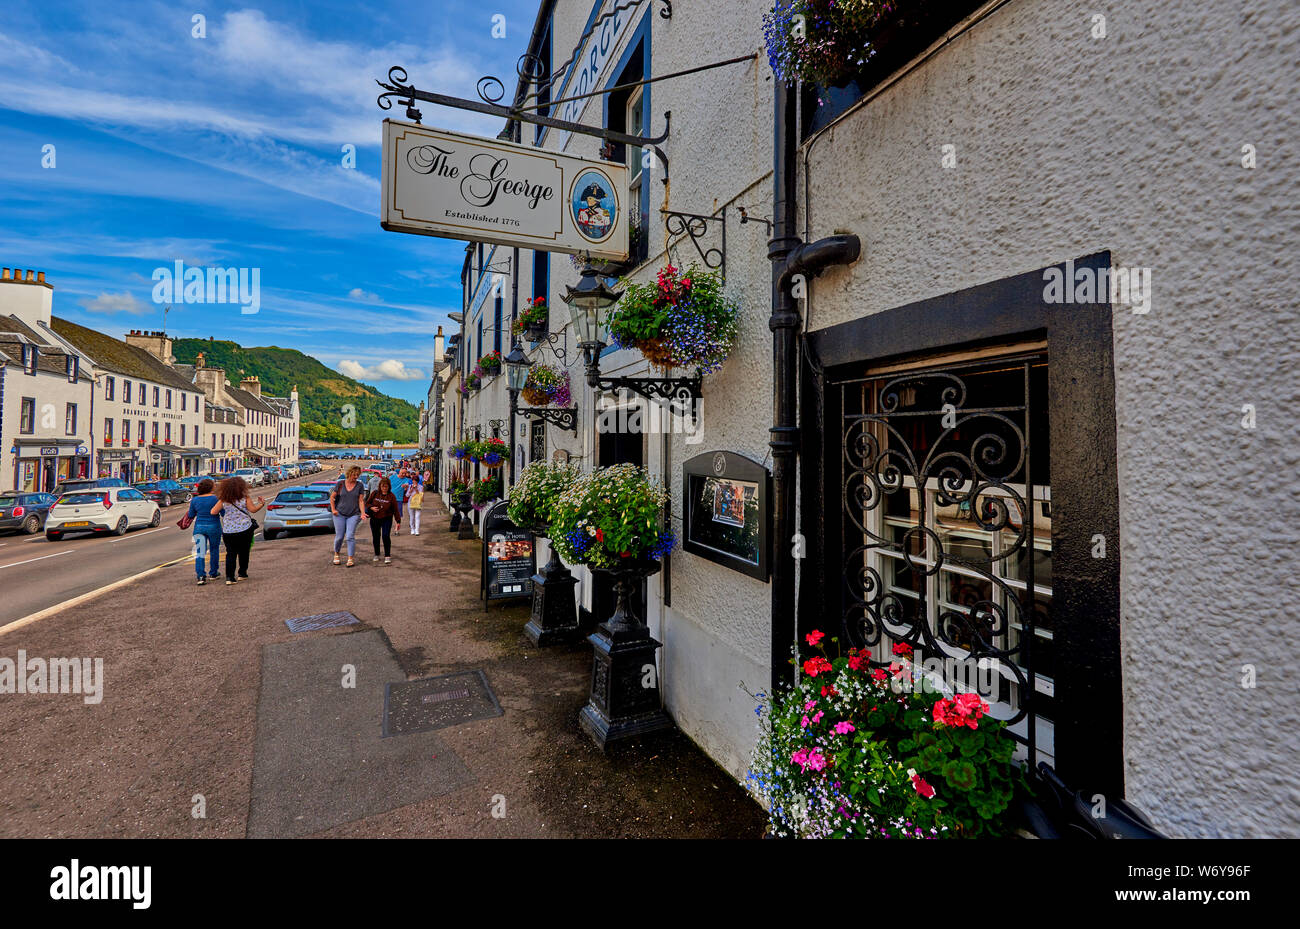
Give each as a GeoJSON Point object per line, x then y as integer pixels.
{"type": "Point", "coordinates": [382, 509]}
{"type": "Point", "coordinates": [414, 504]}
{"type": "Point", "coordinates": [207, 528]}
{"type": "Point", "coordinates": [399, 485]}
{"type": "Point", "coordinates": [236, 508]}
{"type": "Point", "coordinates": [345, 504]}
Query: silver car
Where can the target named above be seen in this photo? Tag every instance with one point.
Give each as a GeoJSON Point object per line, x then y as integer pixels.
{"type": "Point", "coordinates": [298, 508]}
{"type": "Point", "coordinates": [253, 477]}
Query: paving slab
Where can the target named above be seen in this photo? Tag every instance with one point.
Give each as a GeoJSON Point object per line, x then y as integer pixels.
{"type": "Point", "coordinates": [320, 758]}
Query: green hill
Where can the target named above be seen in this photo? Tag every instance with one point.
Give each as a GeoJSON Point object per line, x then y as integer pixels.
{"type": "Point", "coordinates": [322, 391]}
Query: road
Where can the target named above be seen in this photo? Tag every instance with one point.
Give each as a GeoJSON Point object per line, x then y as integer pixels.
{"type": "Point", "coordinates": [36, 573]}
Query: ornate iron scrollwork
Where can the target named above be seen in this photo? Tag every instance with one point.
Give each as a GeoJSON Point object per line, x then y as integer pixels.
{"type": "Point", "coordinates": [565, 417]}
{"type": "Point", "coordinates": [679, 393]}
{"type": "Point", "coordinates": [910, 447]}
{"type": "Point", "coordinates": [696, 226]}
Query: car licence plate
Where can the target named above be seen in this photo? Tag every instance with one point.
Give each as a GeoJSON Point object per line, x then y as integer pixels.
{"type": "Point", "coordinates": [70, 525]}
{"type": "Point", "coordinates": [297, 522]}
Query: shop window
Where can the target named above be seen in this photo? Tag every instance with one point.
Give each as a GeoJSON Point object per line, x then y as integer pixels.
{"type": "Point", "coordinates": [27, 418]}
{"type": "Point", "coordinates": [70, 420]}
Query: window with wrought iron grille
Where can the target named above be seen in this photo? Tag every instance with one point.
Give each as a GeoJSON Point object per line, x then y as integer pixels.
{"type": "Point", "coordinates": [537, 448]}
{"type": "Point", "coordinates": [946, 522]}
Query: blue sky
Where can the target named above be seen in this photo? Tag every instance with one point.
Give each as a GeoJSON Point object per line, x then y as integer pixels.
{"type": "Point", "coordinates": [227, 151]}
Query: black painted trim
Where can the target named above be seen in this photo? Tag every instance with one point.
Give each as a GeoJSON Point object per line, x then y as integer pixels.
{"type": "Point", "coordinates": [1085, 484]}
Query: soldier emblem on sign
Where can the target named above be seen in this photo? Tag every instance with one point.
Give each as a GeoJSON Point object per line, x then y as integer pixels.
{"type": "Point", "coordinates": [594, 206]}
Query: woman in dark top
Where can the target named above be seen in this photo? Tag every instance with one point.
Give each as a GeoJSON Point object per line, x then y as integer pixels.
{"type": "Point", "coordinates": [381, 507]}
{"type": "Point", "coordinates": [207, 530]}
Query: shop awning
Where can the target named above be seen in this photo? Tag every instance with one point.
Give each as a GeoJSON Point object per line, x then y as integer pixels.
{"type": "Point", "coordinates": [167, 450]}
{"type": "Point", "coordinates": [197, 452]}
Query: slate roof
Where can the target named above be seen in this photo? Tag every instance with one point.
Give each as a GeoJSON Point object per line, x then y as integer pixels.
{"type": "Point", "coordinates": [117, 356]}
{"type": "Point", "coordinates": [250, 401]}
{"type": "Point", "coordinates": [51, 356]}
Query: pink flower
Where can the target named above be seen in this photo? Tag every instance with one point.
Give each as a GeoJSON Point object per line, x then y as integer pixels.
{"type": "Point", "coordinates": [809, 758]}
{"type": "Point", "coordinates": [817, 718]}
{"type": "Point", "coordinates": [804, 722]}
{"type": "Point", "coordinates": [809, 704]}
{"type": "Point", "coordinates": [843, 727]}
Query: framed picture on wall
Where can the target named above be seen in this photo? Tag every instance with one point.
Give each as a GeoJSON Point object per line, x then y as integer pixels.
{"type": "Point", "coordinates": [727, 514]}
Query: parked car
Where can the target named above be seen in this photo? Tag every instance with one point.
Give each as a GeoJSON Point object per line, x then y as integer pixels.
{"type": "Point", "coordinates": [165, 492]}
{"type": "Point", "coordinates": [104, 509]}
{"type": "Point", "coordinates": [327, 486]}
{"type": "Point", "coordinates": [298, 508]}
{"type": "Point", "coordinates": [190, 482]}
{"type": "Point", "coordinates": [252, 476]}
{"type": "Point", "coordinates": [23, 511]}
{"type": "Point", "coordinates": [87, 483]}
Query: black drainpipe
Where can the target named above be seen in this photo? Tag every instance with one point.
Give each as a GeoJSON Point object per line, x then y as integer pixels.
{"type": "Point", "coordinates": [789, 257]}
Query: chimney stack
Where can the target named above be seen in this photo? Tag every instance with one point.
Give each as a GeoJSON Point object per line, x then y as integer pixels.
{"type": "Point", "coordinates": [438, 347]}
{"type": "Point", "coordinates": [33, 305]}
{"type": "Point", "coordinates": [154, 342]}
{"type": "Point", "coordinates": [252, 385]}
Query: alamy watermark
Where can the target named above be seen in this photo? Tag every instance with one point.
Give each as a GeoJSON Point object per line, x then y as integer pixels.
{"type": "Point", "coordinates": [179, 284]}
{"type": "Point", "coordinates": [1129, 286]}
{"type": "Point", "coordinates": [656, 417]}
{"type": "Point", "coordinates": [947, 675]}
{"type": "Point", "coordinates": [53, 676]}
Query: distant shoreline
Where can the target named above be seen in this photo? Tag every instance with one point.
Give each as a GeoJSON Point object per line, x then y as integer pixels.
{"type": "Point", "coordinates": [309, 444]}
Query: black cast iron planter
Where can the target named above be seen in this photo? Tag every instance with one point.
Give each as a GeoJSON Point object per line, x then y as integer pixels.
{"type": "Point", "coordinates": [464, 503]}
{"type": "Point", "coordinates": [555, 612]}
{"type": "Point", "coordinates": [625, 701]}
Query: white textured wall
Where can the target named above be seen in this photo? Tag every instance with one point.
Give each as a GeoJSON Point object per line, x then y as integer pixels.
{"type": "Point", "coordinates": [1067, 145]}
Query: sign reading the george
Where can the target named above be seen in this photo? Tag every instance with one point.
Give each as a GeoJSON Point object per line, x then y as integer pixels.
{"type": "Point", "coordinates": [464, 187]}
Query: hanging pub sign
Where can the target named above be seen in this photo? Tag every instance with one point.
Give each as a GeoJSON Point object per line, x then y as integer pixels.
{"type": "Point", "coordinates": [456, 186]}
{"type": "Point", "coordinates": [509, 557]}
{"type": "Point", "coordinates": [727, 512]}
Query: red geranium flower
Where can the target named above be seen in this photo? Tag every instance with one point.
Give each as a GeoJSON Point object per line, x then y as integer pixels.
{"type": "Point", "coordinates": [815, 636]}
{"type": "Point", "coordinates": [924, 789]}
{"type": "Point", "coordinates": [902, 648]}
{"type": "Point", "coordinates": [600, 535]}
{"type": "Point", "coordinates": [814, 666]}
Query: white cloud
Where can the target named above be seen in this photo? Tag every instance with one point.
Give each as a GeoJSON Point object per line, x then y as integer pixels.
{"type": "Point", "coordinates": [124, 302]}
{"type": "Point", "coordinates": [356, 293]}
{"type": "Point", "coordinates": [390, 370]}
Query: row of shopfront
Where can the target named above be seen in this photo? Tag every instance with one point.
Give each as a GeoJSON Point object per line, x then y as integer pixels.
{"type": "Point", "coordinates": [41, 465]}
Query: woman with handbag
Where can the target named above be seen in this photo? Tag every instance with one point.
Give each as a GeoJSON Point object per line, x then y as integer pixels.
{"type": "Point", "coordinates": [236, 509]}
{"type": "Point", "coordinates": [346, 505]}
{"type": "Point", "coordinates": [207, 530]}
{"type": "Point", "coordinates": [415, 504]}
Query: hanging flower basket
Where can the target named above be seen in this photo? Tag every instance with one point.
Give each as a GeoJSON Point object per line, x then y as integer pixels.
{"type": "Point", "coordinates": [546, 385]}
{"type": "Point", "coordinates": [493, 453]}
{"type": "Point", "coordinates": [682, 320]}
{"type": "Point", "coordinates": [489, 365]}
{"type": "Point", "coordinates": [485, 491]}
{"type": "Point", "coordinates": [532, 322]}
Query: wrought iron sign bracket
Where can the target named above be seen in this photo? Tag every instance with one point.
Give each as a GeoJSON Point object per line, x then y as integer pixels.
{"type": "Point", "coordinates": [675, 391]}
{"type": "Point", "coordinates": [565, 417]}
{"type": "Point", "coordinates": [496, 426]}
{"type": "Point", "coordinates": [696, 226]}
{"type": "Point", "coordinates": [746, 218]}
{"type": "Point", "coordinates": [553, 340]}
{"type": "Point", "coordinates": [488, 90]}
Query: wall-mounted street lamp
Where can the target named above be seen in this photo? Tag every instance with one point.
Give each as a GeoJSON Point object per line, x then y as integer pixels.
{"type": "Point", "coordinates": [589, 305]}
{"type": "Point", "coordinates": [517, 365]}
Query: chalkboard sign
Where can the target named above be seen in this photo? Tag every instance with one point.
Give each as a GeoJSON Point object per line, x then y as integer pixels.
{"type": "Point", "coordinates": [509, 557]}
{"type": "Point", "coordinates": [727, 512]}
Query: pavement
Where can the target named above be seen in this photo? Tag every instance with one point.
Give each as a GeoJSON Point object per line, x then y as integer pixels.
{"type": "Point", "coordinates": [217, 720]}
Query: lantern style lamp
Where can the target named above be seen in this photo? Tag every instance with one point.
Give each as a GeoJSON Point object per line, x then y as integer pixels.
{"type": "Point", "coordinates": [588, 303]}
{"type": "Point", "coordinates": [517, 365]}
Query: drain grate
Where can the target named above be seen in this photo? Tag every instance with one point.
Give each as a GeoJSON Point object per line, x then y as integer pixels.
{"type": "Point", "coordinates": [438, 702]}
{"type": "Point", "coordinates": [320, 621]}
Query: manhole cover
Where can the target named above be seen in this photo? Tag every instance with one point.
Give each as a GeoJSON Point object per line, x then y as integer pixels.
{"type": "Point", "coordinates": [320, 621]}
{"type": "Point", "coordinates": [438, 702]}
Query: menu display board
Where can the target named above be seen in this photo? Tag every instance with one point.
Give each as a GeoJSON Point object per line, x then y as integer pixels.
{"type": "Point", "coordinates": [509, 557]}
{"type": "Point", "coordinates": [727, 513]}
